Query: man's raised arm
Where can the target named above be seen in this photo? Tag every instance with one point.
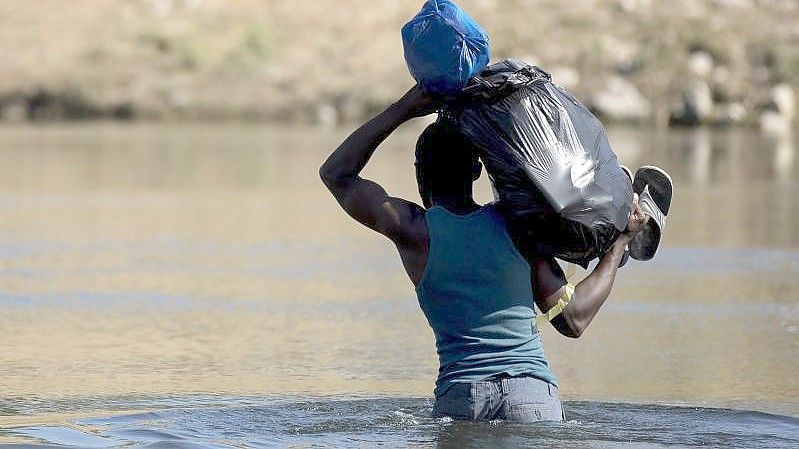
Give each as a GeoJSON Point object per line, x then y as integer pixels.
{"type": "Point", "coordinates": [570, 310]}
{"type": "Point", "coordinates": [364, 200]}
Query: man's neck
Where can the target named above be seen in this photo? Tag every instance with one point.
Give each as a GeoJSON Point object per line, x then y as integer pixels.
{"type": "Point", "coordinates": [457, 205]}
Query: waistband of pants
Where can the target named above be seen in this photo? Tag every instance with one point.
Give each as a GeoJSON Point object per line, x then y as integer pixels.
{"type": "Point", "coordinates": [501, 376]}
{"type": "Point", "coordinates": [504, 380]}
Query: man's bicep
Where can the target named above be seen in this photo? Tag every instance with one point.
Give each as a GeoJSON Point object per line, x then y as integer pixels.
{"type": "Point", "coordinates": [369, 204]}
{"type": "Point", "coordinates": [548, 282]}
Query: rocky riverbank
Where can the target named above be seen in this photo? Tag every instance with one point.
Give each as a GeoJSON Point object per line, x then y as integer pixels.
{"type": "Point", "coordinates": [679, 62]}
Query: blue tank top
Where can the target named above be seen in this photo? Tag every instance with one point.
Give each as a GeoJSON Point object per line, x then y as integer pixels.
{"type": "Point", "coordinates": [477, 296]}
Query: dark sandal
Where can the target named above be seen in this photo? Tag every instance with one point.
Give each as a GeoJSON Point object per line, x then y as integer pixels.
{"type": "Point", "coordinates": [654, 188]}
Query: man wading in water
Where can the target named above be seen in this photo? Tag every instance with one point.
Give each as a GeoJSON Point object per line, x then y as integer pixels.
{"type": "Point", "coordinates": [475, 288]}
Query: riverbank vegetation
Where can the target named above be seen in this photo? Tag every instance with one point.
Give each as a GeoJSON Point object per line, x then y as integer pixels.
{"type": "Point", "coordinates": [331, 61]}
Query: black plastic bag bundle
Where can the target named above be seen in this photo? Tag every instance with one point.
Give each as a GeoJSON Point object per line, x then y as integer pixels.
{"type": "Point", "coordinates": [549, 160]}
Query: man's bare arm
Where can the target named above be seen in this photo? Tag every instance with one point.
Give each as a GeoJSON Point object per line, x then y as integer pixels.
{"type": "Point", "coordinates": [550, 284]}
{"type": "Point", "coordinates": [589, 294]}
{"type": "Point", "coordinates": [365, 200]}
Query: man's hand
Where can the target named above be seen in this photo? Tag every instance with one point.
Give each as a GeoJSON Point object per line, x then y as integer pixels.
{"type": "Point", "coordinates": [637, 221]}
{"type": "Point", "coordinates": [417, 103]}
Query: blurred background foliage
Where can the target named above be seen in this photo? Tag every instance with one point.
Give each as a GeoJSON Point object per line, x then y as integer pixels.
{"type": "Point", "coordinates": [335, 61]}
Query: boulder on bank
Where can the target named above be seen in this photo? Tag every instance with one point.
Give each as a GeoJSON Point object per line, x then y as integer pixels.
{"type": "Point", "coordinates": [697, 105]}
{"type": "Point", "coordinates": [780, 111]}
{"type": "Point", "coordinates": [784, 99]}
{"type": "Point", "coordinates": [701, 64]}
{"type": "Point", "coordinates": [620, 100]}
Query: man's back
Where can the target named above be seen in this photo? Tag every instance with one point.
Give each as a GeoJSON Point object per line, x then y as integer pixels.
{"type": "Point", "coordinates": [474, 286]}
{"type": "Point", "coordinates": [477, 297]}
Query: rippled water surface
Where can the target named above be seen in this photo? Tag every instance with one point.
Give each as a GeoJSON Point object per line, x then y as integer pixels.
{"type": "Point", "coordinates": [194, 286]}
{"type": "Point", "coordinates": [337, 422]}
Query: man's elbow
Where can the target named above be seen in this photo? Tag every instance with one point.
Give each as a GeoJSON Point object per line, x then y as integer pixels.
{"type": "Point", "coordinates": [330, 178]}
{"type": "Point", "coordinates": [575, 331]}
{"type": "Point", "coordinates": [571, 332]}
{"type": "Point", "coordinates": [325, 175]}
{"type": "Point", "coordinates": [334, 179]}
{"type": "Point", "coordinates": [569, 326]}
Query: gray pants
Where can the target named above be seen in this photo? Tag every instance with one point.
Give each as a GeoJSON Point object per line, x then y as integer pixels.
{"type": "Point", "coordinates": [521, 399]}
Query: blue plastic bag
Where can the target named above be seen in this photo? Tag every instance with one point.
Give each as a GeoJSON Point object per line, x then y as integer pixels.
{"type": "Point", "coordinates": [444, 47]}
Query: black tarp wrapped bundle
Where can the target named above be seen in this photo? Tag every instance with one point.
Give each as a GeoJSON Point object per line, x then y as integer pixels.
{"type": "Point", "coordinates": [549, 160]}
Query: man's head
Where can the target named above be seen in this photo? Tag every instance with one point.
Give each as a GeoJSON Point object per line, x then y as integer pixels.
{"type": "Point", "coordinates": [446, 163]}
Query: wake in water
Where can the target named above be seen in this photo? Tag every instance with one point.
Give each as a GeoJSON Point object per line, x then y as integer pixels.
{"type": "Point", "coordinates": [394, 422]}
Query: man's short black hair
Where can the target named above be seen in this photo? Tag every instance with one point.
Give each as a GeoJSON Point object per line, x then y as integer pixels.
{"type": "Point", "coordinates": [445, 161]}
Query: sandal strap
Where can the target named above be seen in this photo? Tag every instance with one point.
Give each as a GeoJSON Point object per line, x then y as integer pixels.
{"type": "Point", "coordinates": [650, 207]}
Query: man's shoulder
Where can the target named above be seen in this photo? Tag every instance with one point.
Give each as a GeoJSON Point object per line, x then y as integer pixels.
{"type": "Point", "coordinates": [413, 228]}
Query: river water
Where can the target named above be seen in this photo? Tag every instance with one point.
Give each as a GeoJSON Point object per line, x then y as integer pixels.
{"type": "Point", "coordinates": [195, 286]}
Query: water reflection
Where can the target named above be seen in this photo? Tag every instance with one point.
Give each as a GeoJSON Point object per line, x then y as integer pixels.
{"type": "Point", "coordinates": [109, 156]}
{"type": "Point", "coordinates": [784, 156]}
{"type": "Point", "coordinates": [156, 259]}
{"type": "Point", "coordinates": [706, 157]}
